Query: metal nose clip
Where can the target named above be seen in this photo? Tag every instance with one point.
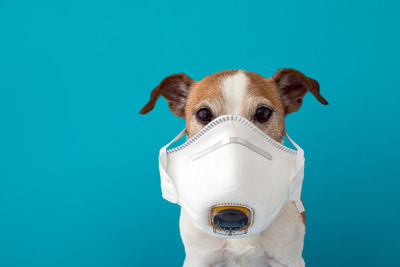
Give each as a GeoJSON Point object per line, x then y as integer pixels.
{"type": "Point", "coordinates": [230, 220]}
{"type": "Point", "coordinates": [231, 140]}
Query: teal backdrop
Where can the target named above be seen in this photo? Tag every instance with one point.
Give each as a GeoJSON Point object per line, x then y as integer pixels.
{"type": "Point", "coordinates": [79, 182]}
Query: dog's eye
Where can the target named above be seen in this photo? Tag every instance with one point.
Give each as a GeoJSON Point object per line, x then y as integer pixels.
{"type": "Point", "coordinates": [204, 115]}
{"type": "Point", "coordinates": [263, 114]}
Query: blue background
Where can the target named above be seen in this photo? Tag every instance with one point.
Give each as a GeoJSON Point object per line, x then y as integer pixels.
{"type": "Point", "coordinates": [79, 181]}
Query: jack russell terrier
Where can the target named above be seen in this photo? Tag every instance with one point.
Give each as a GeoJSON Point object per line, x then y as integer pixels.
{"type": "Point", "coordinates": [264, 102]}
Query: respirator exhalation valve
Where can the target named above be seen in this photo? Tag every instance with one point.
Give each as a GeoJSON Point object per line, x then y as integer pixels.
{"type": "Point", "coordinates": [230, 220]}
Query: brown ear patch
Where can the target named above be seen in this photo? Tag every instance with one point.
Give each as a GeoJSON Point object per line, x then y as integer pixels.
{"type": "Point", "coordinates": [174, 89]}
{"type": "Point", "coordinates": [293, 85]}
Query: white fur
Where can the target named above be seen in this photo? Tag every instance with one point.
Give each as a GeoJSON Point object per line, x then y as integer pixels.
{"type": "Point", "coordinates": [234, 91]}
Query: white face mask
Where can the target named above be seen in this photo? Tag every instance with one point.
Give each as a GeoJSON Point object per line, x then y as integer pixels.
{"type": "Point", "coordinates": [231, 178]}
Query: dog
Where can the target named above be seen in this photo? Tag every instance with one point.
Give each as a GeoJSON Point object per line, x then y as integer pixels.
{"type": "Point", "coordinates": [265, 102]}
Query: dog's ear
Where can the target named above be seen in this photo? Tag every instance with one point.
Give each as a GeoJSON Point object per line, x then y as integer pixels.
{"type": "Point", "coordinates": [174, 89]}
{"type": "Point", "coordinates": [293, 85]}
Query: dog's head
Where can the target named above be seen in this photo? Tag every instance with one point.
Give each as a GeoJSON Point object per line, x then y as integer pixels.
{"type": "Point", "coordinates": [263, 101]}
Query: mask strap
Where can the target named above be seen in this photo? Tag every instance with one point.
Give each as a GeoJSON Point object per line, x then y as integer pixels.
{"type": "Point", "coordinates": [163, 150]}
{"type": "Point", "coordinates": [297, 181]}
{"type": "Point", "coordinates": [300, 153]}
{"type": "Point", "coordinates": [167, 186]}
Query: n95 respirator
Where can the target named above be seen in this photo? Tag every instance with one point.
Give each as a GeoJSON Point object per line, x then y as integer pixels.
{"type": "Point", "coordinates": [231, 178]}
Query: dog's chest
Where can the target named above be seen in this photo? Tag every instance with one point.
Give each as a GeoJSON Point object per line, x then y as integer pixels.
{"type": "Point", "coordinates": [239, 252]}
